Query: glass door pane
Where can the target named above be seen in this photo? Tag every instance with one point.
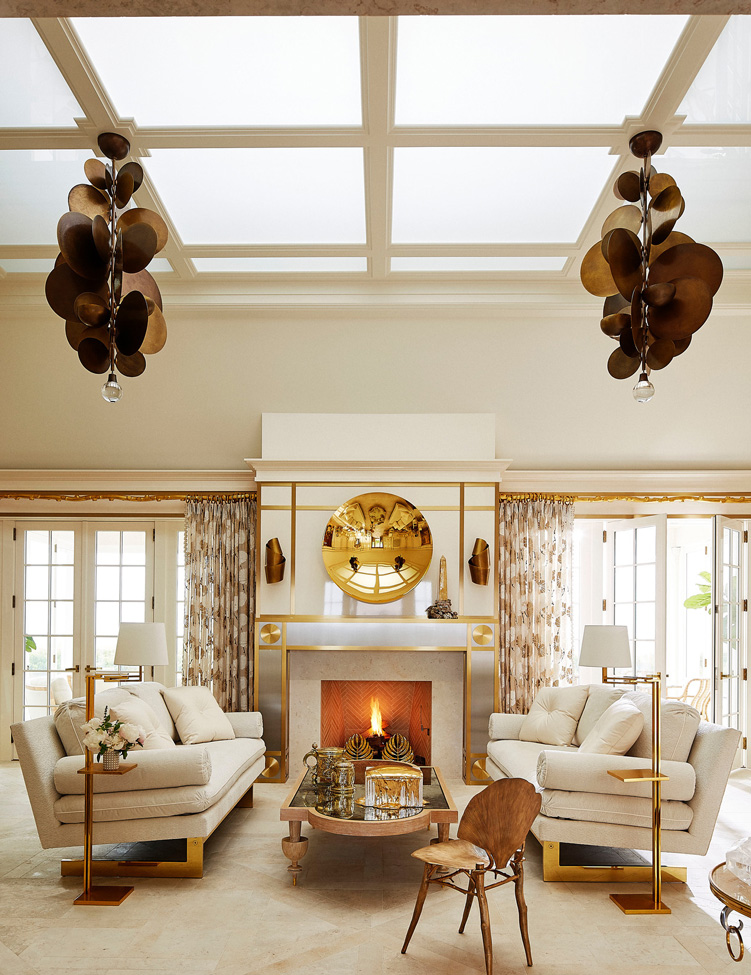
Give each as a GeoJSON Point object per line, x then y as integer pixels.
{"type": "Point", "coordinates": [123, 561]}
{"type": "Point", "coordinates": [729, 591]}
{"type": "Point", "coordinates": [47, 626]}
{"type": "Point", "coordinates": [636, 567]}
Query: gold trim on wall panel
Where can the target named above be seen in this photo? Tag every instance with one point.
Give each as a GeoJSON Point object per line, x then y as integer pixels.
{"type": "Point", "coordinates": [276, 507]}
{"type": "Point", "coordinates": [293, 559]}
{"type": "Point", "coordinates": [467, 743]}
{"type": "Point", "coordinates": [461, 549]}
{"type": "Point", "coordinates": [496, 597]}
{"type": "Point", "coordinates": [374, 649]}
{"type": "Point", "coordinates": [284, 771]}
{"type": "Point", "coordinates": [423, 507]}
{"type": "Point", "coordinates": [312, 618]}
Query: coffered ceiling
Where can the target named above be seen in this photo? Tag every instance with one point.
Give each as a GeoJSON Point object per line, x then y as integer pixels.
{"type": "Point", "coordinates": [377, 153]}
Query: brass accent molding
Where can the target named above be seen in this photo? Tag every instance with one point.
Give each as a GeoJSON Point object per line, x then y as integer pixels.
{"type": "Point", "coordinates": [131, 496]}
{"type": "Point", "coordinates": [270, 634]}
{"type": "Point", "coordinates": [482, 635]}
{"type": "Point", "coordinates": [636, 498]}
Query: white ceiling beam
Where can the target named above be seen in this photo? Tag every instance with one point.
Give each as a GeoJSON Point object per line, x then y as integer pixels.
{"type": "Point", "coordinates": [377, 44]}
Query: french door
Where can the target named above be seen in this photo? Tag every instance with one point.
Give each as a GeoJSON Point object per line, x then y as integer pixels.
{"type": "Point", "coordinates": [635, 578]}
{"type": "Point", "coordinates": [730, 621]}
{"type": "Point", "coordinates": [75, 583]}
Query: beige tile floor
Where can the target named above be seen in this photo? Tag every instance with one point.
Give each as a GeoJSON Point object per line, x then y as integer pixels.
{"type": "Point", "coordinates": [349, 914]}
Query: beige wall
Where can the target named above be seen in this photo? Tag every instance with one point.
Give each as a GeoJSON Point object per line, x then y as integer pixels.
{"type": "Point", "coordinates": [199, 404]}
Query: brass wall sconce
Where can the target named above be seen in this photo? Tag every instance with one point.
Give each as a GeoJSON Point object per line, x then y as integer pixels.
{"type": "Point", "coordinates": [111, 305]}
{"type": "Point", "coordinates": [479, 563]}
{"type": "Point", "coordinates": [275, 561]}
{"type": "Point", "coordinates": [658, 290]}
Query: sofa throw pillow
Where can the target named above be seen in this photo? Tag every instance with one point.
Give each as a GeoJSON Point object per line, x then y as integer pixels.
{"type": "Point", "coordinates": [599, 699]}
{"type": "Point", "coordinates": [615, 731]}
{"type": "Point", "coordinates": [554, 714]}
{"type": "Point", "coordinates": [197, 715]}
{"type": "Point", "coordinates": [150, 692]}
{"type": "Point", "coordinates": [139, 713]}
{"type": "Point", "coordinates": [70, 717]}
{"type": "Point", "coordinates": [679, 723]}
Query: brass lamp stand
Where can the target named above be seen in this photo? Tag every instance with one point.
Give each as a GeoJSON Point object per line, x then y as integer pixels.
{"type": "Point", "coordinates": [101, 896]}
{"type": "Point", "coordinates": [646, 903]}
{"type": "Point", "coordinates": [609, 646]}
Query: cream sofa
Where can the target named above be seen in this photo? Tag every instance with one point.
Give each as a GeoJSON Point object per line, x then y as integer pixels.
{"type": "Point", "coordinates": [176, 793]}
{"type": "Point", "coordinates": [583, 804]}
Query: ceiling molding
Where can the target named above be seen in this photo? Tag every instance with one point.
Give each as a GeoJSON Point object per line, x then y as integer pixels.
{"type": "Point", "coordinates": [125, 481]}
{"type": "Point", "coordinates": [368, 8]}
{"type": "Point", "coordinates": [630, 482]}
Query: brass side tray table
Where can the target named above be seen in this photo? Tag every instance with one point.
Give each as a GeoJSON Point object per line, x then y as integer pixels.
{"type": "Point", "coordinates": [735, 896]}
{"type": "Point", "coordinates": [102, 896]}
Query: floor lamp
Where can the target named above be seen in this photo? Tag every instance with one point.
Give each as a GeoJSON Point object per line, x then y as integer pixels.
{"type": "Point", "coordinates": [609, 646]}
{"type": "Point", "coordinates": [138, 644]}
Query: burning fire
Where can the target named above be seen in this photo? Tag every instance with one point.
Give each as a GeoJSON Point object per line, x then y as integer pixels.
{"type": "Point", "coordinates": [376, 722]}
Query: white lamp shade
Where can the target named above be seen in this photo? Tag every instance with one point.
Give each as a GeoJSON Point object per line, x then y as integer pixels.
{"type": "Point", "coordinates": [605, 646]}
{"type": "Point", "coordinates": [141, 645]}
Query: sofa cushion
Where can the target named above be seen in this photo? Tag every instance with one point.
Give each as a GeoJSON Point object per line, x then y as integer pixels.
{"type": "Point", "coordinates": [197, 715]}
{"type": "Point", "coordinates": [157, 769]}
{"type": "Point", "coordinates": [619, 810]}
{"type": "Point", "coordinates": [150, 691]}
{"type": "Point", "coordinates": [229, 759]}
{"type": "Point", "coordinates": [616, 730]}
{"type": "Point", "coordinates": [246, 724]}
{"type": "Point", "coordinates": [599, 699]}
{"type": "Point", "coordinates": [554, 714]}
{"type": "Point", "coordinates": [139, 713]}
{"type": "Point", "coordinates": [518, 759]}
{"type": "Point", "coordinates": [70, 717]}
{"type": "Point", "coordinates": [678, 726]}
{"type": "Point", "coordinates": [573, 771]}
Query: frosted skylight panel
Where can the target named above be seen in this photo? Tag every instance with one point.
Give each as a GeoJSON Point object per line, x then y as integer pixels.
{"type": "Point", "coordinates": [34, 187]}
{"type": "Point", "coordinates": [27, 265]}
{"type": "Point", "coordinates": [215, 71]}
{"type": "Point", "coordinates": [541, 70]}
{"type": "Point", "coordinates": [429, 263]}
{"type": "Point", "coordinates": [716, 187]}
{"type": "Point", "coordinates": [495, 195]}
{"type": "Point", "coordinates": [288, 265]}
{"type": "Point", "coordinates": [721, 91]}
{"type": "Point", "coordinates": [32, 90]}
{"type": "Point", "coordinates": [262, 196]}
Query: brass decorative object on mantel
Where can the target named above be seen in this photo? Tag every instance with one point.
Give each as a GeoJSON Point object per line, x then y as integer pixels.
{"type": "Point", "coordinates": [377, 547]}
{"type": "Point", "coordinates": [111, 305]}
{"type": "Point", "coordinates": [275, 561]}
{"type": "Point", "coordinates": [658, 290]}
{"type": "Point", "coordinates": [479, 563]}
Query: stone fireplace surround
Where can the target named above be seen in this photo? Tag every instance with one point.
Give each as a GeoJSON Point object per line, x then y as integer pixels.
{"type": "Point", "coordinates": [445, 669]}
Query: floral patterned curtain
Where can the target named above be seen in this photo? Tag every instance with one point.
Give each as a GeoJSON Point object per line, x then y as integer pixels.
{"type": "Point", "coordinates": [535, 550]}
{"type": "Point", "coordinates": [220, 544]}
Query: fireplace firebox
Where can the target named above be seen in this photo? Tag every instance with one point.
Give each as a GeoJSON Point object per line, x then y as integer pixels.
{"type": "Point", "coordinates": [378, 710]}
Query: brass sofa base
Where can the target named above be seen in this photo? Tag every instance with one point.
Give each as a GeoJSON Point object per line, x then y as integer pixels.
{"type": "Point", "coordinates": [552, 869]}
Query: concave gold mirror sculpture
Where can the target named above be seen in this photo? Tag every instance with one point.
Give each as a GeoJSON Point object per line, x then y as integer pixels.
{"type": "Point", "coordinates": [99, 285]}
{"type": "Point", "coordinates": [377, 547]}
{"type": "Point", "coordinates": [658, 287]}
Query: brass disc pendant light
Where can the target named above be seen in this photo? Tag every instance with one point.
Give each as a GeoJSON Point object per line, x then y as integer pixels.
{"type": "Point", "coordinates": [100, 286]}
{"type": "Point", "coordinates": [658, 284]}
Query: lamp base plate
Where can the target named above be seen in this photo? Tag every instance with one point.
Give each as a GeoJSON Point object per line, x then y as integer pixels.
{"type": "Point", "coordinates": [639, 904]}
{"type": "Point", "coordinates": [103, 896]}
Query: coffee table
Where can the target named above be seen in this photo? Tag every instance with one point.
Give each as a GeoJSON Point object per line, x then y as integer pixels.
{"type": "Point", "coordinates": [308, 803]}
{"type": "Point", "coordinates": [736, 896]}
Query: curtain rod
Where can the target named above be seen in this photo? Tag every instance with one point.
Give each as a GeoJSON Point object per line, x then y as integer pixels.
{"type": "Point", "coordinates": [131, 496]}
{"type": "Point", "coordinates": [660, 498]}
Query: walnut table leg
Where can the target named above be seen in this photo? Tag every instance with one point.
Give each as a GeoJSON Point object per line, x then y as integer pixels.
{"type": "Point", "coordinates": [443, 832]}
{"type": "Point", "coordinates": [294, 847]}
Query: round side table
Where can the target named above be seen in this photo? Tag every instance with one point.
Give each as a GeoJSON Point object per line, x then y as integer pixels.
{"type": "Point", "coordinates": [736, 896]}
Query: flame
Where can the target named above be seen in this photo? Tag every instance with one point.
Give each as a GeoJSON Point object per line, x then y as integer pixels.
{"type": "Point", "coordinates": [376, 722]}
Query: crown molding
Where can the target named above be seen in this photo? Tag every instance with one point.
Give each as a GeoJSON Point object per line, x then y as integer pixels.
{"type": "Point", "coordinates": [105, 481]}
{"type": "Point", "coordinates": [720, 482]}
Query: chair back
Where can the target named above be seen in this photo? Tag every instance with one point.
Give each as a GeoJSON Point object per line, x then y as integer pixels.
{"type": "Point", "coordinates": [499, 818]}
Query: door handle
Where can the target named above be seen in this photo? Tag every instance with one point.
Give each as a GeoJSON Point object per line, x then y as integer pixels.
{"type": "Point", "coordinates": [87, 668]}
{"type": "Point", "coordinates": [726, 676]}
{"type": "Point", "coordinates": [73, 670]}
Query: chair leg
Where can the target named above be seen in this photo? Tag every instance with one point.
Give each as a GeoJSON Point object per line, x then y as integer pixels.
{"type": "Point", "coordinates": [468, 904]}
{"type": "Point", "coordinates": [421, 895]}
{"type": "Point", "coordinates": [482, 903]}
{"type": "Point", "coordinates": [521, 904]}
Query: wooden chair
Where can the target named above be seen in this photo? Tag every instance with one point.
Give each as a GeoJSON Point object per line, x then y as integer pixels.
{"type": "Point", "coordinates": [696, 693]}
{"type": "Point", "coordinates": [491, 837]}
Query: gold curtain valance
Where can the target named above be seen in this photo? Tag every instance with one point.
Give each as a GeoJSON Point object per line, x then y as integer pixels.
{"type": "Point", "coordinates": [636, 498]}
{"type": "Point", "coordinates": [130, 496]}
